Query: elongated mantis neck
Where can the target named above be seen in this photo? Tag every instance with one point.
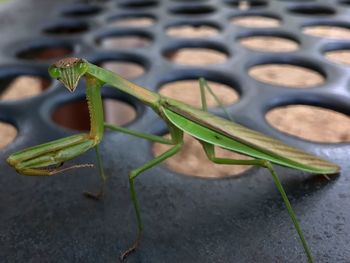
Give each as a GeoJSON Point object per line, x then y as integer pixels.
{"type": "Point", "coordinates": [93, 96]}
{"type": "Point", "coordinates": [146, 96]}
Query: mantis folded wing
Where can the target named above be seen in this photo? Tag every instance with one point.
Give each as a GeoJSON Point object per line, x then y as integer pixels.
{"type": "Point", "coordinates": [209, 130]}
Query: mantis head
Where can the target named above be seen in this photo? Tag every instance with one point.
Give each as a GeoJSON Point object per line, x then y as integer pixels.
{"type": "Point", "coordinates": [69, 71]}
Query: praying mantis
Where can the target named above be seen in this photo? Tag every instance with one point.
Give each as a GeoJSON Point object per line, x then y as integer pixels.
{"type": "Point", "coordinates": [210, 130]}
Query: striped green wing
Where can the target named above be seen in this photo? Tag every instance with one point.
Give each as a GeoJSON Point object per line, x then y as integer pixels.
{"type": "Point", "coordinates": [242, 139]}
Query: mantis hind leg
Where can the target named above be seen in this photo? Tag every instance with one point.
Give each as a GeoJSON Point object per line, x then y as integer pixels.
{"type": "Point", "coordinates": [210, 151]}
{"type": "Point", "coordinates": [203, 85]}
{"type": "Point", "coordinates": [203, 96]}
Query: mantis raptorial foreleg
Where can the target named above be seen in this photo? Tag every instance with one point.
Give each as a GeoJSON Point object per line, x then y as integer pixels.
{"type": "Point", "coordinates": [46, 159]}
{"type": "Point", "coordinates": [35, 161]}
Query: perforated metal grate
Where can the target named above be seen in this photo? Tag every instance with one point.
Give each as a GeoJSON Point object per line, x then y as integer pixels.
{"type": "Point", "coordinates": [186, 219]}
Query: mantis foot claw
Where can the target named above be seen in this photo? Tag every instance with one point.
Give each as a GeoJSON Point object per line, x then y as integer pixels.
{"type": "Point", "coordinates": [93, 196]}
{"type": "Point", "coordinates": [131, 249]}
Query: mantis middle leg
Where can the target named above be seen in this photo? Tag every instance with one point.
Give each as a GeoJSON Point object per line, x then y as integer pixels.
{"type": "Point", "coordinates": [103, 177]}
{"type": "Point", "coordinates": [210, 151]}
{"type": "Point", "coordinates": [132, 175]}
{"type": "Point", "coordinates": [150, 137]}
{"type": "Point", "coordinates": [177, 141]}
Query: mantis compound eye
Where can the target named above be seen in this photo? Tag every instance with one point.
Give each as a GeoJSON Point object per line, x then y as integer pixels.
{"type": "Point", "coordinates": [82, 67]}
{"type": "Point", "coordinates": [54, 72]}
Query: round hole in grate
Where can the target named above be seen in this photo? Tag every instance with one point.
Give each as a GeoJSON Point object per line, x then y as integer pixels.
{"type": "Point", "coordinates": [269, 43]}
{"type": "Point", "coordinates": [75, 114]}
{"type": "Point", "coordinates": [256, 21]}
{"type": "Point", "coordinates": [138, 3]}
{"type": "Point", "coordinates": [186, 1]}
{"type": "Point", "coordinates": [286, 75]}
{"type": "Point", "coordinates": [22, 86]}
{"type": "Point", "coordinates": [304, 121]}
{"type": "Point", "coordinates": [188, 91]}
{"type": "Point", "coordinates": [328, 31]}
{"type": "Point", "coordinates": [127, 69]}
{"type": "Point", "coordinates": [192, 10]}
{"type": "Point", "coordinates": [246, 4]}
{"type": "Point", "coordinates": [124, 40]}
{"type": "Point", "coordinates": [132, 21]}
{"type": "Point", "coordinates": [186, 30]}
{"type": "Point", "coordinates": [341, 56]}
{"type": "Point", "coordinates": [82, 10]}
{"type": "Point", "coordinates": [192, 160]}
{"type": "Point", "coordinates": [296, 0]}
{"type": "Point", "coordinates": [7, 134]}
{"type": "Point", "coordinates": [45, 52]}
{"type": "Point", "coordinates": [344, 2]}
{"type": "Point", "coordinates": [312, 10]}
{"type": "Point", "coordinates": [196, 56]}
{"type": "Point", "coordinates": [66, 28]}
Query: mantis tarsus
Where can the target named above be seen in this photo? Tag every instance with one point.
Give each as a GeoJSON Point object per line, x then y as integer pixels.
{"type": "Point", "coordinates": [209, 130]}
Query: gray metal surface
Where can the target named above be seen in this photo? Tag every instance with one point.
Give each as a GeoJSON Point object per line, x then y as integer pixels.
{"type": "Point", "coordinates": [186, 219]}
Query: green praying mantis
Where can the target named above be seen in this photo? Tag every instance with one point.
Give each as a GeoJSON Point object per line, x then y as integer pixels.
{"type": "Point", "coordinates": [46, 159]}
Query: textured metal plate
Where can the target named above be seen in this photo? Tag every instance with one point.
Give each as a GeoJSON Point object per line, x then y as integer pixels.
{"type": "Point", "coordinates": [186, 219]}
